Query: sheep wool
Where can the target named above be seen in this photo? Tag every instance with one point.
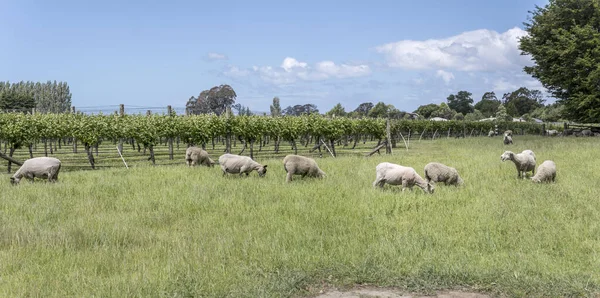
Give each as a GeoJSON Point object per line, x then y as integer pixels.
{"type": "Point", "coordinates": [394, 174]}
{"type": "Point", "coordinates": [546, 172]}
{"type": "Point", "coordinates": [38, 167]}
{"type": "Point", "coordinates": [195, 155]}
{"type": "Point", "coordinates": [524, 161]}
{"type": "Point", "coordinates": [237, 164]}
{"type": "Point", "coordinates": [437, 172]}
{"type": "Point", "coordinates": [300, 165]}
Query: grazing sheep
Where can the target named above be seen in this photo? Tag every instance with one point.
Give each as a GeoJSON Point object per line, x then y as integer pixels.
{"type": "Point", "coordinates": [195, 155]}
{"type": "Point", "coordinates": [234, 164]}
{"type": "Point", "coordinates": [398, 175]}
{"type": "Point", "coordinates": [546, 172]}
{"type": "Point", "coordinates": [508, 133]}
{"type": "Point", "coordinates": [586, 133]}
{"type": "Point", "coordinates": [40, 167]}
{"type": "Point", "coordinates": [507, 140]}
{"type": "Point", "coordinates": [552, 132]}
{"type": "Point", "coordinates": [524, 161]}
{"type": "Point", "coordinates": [491, 133]}
{"type": "Point", "coordinates": [438, 172]}
{"type": "Point", "coordinates": [300, 165]}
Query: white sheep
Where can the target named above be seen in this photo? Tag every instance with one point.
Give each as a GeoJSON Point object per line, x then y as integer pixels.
{"type": "Point", "coordinates": [552, 132]}
{"type": "Point", "coordinates": [507, 140]}
{"type": "Point", "coordinates": [524, 161]}
{"type": "Point", "coordinates": [195, 155]}
{"type": "Point", "coordinates": [508, 133]}
{"type": "Point", "coordinates": [545, 172]}
{"type": "Point", "coordinates": [234, 164]}
{"type": "Point", "coordinates": [437, 172]}
{"type": "Point", "coordinates": [394, 174]}
{"type": "Point", "coordinates": [300, 165]}
{"type": "Point", "coordinates": [40, 167]}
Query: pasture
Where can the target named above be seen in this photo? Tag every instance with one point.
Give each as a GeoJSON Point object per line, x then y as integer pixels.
{"type": "Point", "coordinates": [175, 231]}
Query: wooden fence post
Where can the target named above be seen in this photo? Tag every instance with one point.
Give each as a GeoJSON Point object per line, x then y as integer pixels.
{"type": "Point", "coordinates": [169, 111]}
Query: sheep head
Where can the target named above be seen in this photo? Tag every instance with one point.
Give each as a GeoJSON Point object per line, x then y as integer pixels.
{"type": "Point", "coordinates": [507, 155]}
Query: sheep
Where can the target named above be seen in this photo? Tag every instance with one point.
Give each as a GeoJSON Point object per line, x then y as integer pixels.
{"type": "Point", "coordinates": [399, 175]}
{"type": "Point", "coordinates": [195, 155]}
{"type": "Point", "coordinates": [234, 164]}
{"type": "Point", "coordinates": [552, 132]}
{"type": "Point", "coordinates": [508, 133]}
{"type": "Point", "coordinates": [586, 133]}
{"type": "Point", "coordinates": [491, 133]}
{"type": "Point", "coordinates": [546, 172]}
{"type": "Point", "coordinates": [300, 165]}
{"type": "Point", "coordinates": [507, 140]}
{"type": "Point", "coordinates": [40, 167]}
{"type": "Point", "coordinates": [524, 161]}
{"type": "Point", "coordinates": [438, 172]}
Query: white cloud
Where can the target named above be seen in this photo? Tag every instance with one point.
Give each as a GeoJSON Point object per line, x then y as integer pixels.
{"type": "Point", "coordinates": [292, 70]}
{"type": "Point", "coordinates": [234, 71]}
{"type": "Point", "coordinates": [216, 56]}
{"type": "Point", "coordinates": [479, 50]}
{"type": "Point", "coordinates": [445, 75]}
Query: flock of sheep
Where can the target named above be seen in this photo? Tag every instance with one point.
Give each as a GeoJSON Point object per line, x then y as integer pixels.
{"type": "Point", "coordinates": [393, 174]}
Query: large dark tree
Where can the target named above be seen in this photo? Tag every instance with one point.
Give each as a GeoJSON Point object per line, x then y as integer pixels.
{"type": "Point", "coordinates": [522, 101]}
{"type": "Point", "coordinates": [488, 105]}
{"type": "Point", "coordinates": [275, 107]}
{"type": "Point", "coordinates": [363, 109]}
{"type": "Point", "coordinates": [462, 102]}
{"type": "Point", "coordinates": [12, 100]}
{"type": "Point", "coordinates": [298, 110]}
{"type": "Point", "coordinates": [215, 100]}
{"type": "Point", "coordinates": [564, 42]}
{"type": "Point", "coordinates": [426, 110]}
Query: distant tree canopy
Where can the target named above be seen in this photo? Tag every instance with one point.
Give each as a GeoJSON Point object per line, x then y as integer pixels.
{"type": "Point", "coordinates": [215, 100]}
{"type": "Point", "coordinates": [337, 111]}
{"type": "Point", "coordinates": [462, 102]}
{"type": "Point", "coordinates": [242, 110]}
{"type": "Point", "coordinates": [363, 109]}
{"type": "Point", "coordinates": [564, 42]}
{"type": "Point", "coordinates": [522, 101]}
{"type": "Point", "coordinates": [425, 111]}
{"type": "Point", "coordinates": [488, 105]}
{"type": "Point", "coordinates": [298, 110]}
{"type": "Point", "coordinates": [49, 97]}
{"type": "Point", "coordinates": [276, 107]}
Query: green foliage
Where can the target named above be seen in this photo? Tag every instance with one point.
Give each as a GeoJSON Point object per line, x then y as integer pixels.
{"type": "Point", "coordinates": [363, 109]}
{"type": "Point", "coordinates": [337, 111]}
{"type": "Point", "coordinates": [462, 102]}
{"type": "Point", "coordinates": [522, 101]}
{"type": "Point", "coordinates": [549, 113]}
{"type": "Point", "coordinates": [13, 100]}
{"type": "Point", "coordinates": [488, 105]}
{"type": "Point", "coordinates": [425, 111]}
{"type": "Point", "coordinates": [49, 97]}
{"type": "Point", "coordinates": [476, 115]}
{"type": "Point", "coordinates": [444, 111]}
{"type": "Point", "coordinates": [276, 107]}
{"type": "Point", "coordinates": [564, 42]}
{"type": "Point", "coordinates": [502, 115]}
{"type": "Point", "coordinates": [215, 100]}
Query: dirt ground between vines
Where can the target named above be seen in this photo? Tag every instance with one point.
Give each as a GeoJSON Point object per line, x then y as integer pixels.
{"type": "Point", "coordinates": [372, 292]}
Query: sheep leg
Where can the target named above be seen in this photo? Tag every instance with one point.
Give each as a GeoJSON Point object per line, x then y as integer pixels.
{"type": "Point", "coordinates": [288, 177]}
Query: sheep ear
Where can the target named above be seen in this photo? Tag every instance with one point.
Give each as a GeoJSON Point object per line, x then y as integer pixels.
{"type": "Point", "coordinates": [265, 166]}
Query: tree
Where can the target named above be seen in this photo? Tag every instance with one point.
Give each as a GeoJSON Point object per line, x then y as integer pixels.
{"type": "Point", "coordinates": [215, 100]}
{"type": "Point", "coordinates": [12, 100]}
{"type": "Point", "coordinates": [522, 101]}
{"type": "Point", "coordinates": [502, 115]}
{"type": "Point", "coordinates": [564, 43]}
{"type": "Point", "coordinates": [275, 107]}
{"type": "Point", "coordinates": [380, 110]}
{"type": "Point", "coordinates": [425, 111]}
{"type": "Point", "coordinates": [488, 105]}
{"type": "Point", "coordinates": [49, 97]}
{"type": "Point", "coordinates": [458, 116]}
{"type": "Point", "coordinates": [462, 102]}
{"type": "Point", "coordinates": [444, 111]}
{"type": "Point", "coordinates": [242, 110]}
{"type": "Point", "coordinates": [336, 111]}
{"type": "Point", "coordinates": [476, 115]}
{"type": "Point", "coordinates": [298, 110]}
{"type": "Point", "coordinates": [364, 108]}
{"type": "Point", "coordinates": [549, 113]}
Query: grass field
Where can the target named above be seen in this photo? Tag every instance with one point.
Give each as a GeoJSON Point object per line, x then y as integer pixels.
{"type": "Point", "coordinates": [175, 231]}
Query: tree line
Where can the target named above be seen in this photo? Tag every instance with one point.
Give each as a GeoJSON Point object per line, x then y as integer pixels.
{"type": "Point", "coordinates": [49, 97]}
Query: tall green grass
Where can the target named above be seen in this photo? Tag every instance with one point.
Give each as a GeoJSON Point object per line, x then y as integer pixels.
{"type": "Point", "coordinates": [178, 231]}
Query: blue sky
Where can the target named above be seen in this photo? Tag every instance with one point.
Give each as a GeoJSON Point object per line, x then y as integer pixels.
{"type": "Point", "coordinates": [158, 53]}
